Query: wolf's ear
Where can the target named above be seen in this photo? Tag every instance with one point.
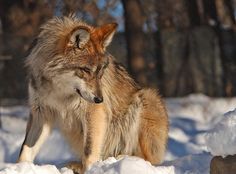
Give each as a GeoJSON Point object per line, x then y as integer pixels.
{"type": "Point", "coordinates": [79, 37]}
{"type": "Point", "coordinates": [107, 33]}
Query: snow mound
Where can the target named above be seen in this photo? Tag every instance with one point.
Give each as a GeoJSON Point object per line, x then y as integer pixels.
{"type": "Point", "coordinates": [221, 140]}
{"type": "Point", "coordinates": [30, 168]}
{"type": "Point", "coordinates": [126, 165]}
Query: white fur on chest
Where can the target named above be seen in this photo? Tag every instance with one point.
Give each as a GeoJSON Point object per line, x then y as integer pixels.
{"type": "Point", "coordinates": [61, 98]}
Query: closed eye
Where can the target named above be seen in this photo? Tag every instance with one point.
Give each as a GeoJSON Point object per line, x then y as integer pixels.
{"type": "Point", "coordinates": [102, 67]}
{"type": "Point", "coordinates": [86, 69]}
{"type": "Point", "coordinates": [106, 65]}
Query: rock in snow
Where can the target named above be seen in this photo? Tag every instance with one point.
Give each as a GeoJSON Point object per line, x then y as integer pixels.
{"type": "Point", "coordinates": [221, 140]}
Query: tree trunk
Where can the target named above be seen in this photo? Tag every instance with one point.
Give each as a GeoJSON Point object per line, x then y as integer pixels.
{"type": "Point", "coordinates": [173, 22]}
{"type": "Point", "coordinates": [190, 50]}
{"type": "Point", "coordinates": [227, 35]}
{"type": "Point", "coordinates": [20, 23]}
{"type": "Point", "coordinates": [205, 61]}
{"type": "Point", "coordinates": [134, 21]}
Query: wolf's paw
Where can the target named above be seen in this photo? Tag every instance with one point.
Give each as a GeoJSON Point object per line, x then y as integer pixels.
{"type": "Point", "coordinates": [77, 167]}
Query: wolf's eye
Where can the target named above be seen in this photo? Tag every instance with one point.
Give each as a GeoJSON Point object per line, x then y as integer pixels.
{"type": "Point", "coordinates": [106, 65]}
{"type": "Point", "coordinates": [86, 70]}
{"type": "Point", "coordinates": [79, 74]}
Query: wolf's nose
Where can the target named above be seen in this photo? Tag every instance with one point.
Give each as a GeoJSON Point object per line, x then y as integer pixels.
{"type": "Point", "coordinates": [98, 99]}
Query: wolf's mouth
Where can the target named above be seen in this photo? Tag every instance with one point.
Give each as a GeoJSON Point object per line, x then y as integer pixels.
{"type": "Point", "coordinates": [78, 91]}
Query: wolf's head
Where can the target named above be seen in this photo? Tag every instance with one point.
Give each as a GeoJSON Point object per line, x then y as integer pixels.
{"type": "Point", "coordinates": [72, 56]}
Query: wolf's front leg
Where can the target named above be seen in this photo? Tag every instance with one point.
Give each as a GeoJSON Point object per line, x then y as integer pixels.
{"type": "Point", "coordinates": [37, 131]}
{"type": "Point", "coordinates": [94, 135]}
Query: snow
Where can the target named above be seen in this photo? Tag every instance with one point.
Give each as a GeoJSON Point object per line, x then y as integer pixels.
{"type": "Point", "coordinates": [221, 140]}
{"type": "Point", "coordinates": [29, 168]}
{"type": "Point", "coordinates": [188, 150]}
{"type": "Point", "coordinates": [128, 165]}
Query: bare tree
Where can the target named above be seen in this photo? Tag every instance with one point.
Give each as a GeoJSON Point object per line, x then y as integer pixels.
{"type": "Point", "coordinates": [134, 21]}
{"type": "Point", "coordinates": [20, 23]}
{"type": "Point", "coordinates": [190, 49]}
{"type": "Point", "coordinates": [226, 32]}
{"type": "Point", "coordinates": [188, 43]}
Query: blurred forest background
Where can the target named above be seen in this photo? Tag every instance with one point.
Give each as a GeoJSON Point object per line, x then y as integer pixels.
{"type": "Point", "coordinates": [179, 46]}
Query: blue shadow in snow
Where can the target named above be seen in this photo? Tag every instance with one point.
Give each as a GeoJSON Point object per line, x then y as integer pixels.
{"type": "Point", "coordinates": [188, 126]}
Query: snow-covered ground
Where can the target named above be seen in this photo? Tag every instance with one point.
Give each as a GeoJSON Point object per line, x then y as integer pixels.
{"type": "Point", "coordinates": [190, 118]}
{"type": "Point", "coordinates": [221, 140]}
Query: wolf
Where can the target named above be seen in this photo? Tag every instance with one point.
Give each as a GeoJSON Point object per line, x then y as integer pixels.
{"type": "Point", "coordinates": [76, 85]}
